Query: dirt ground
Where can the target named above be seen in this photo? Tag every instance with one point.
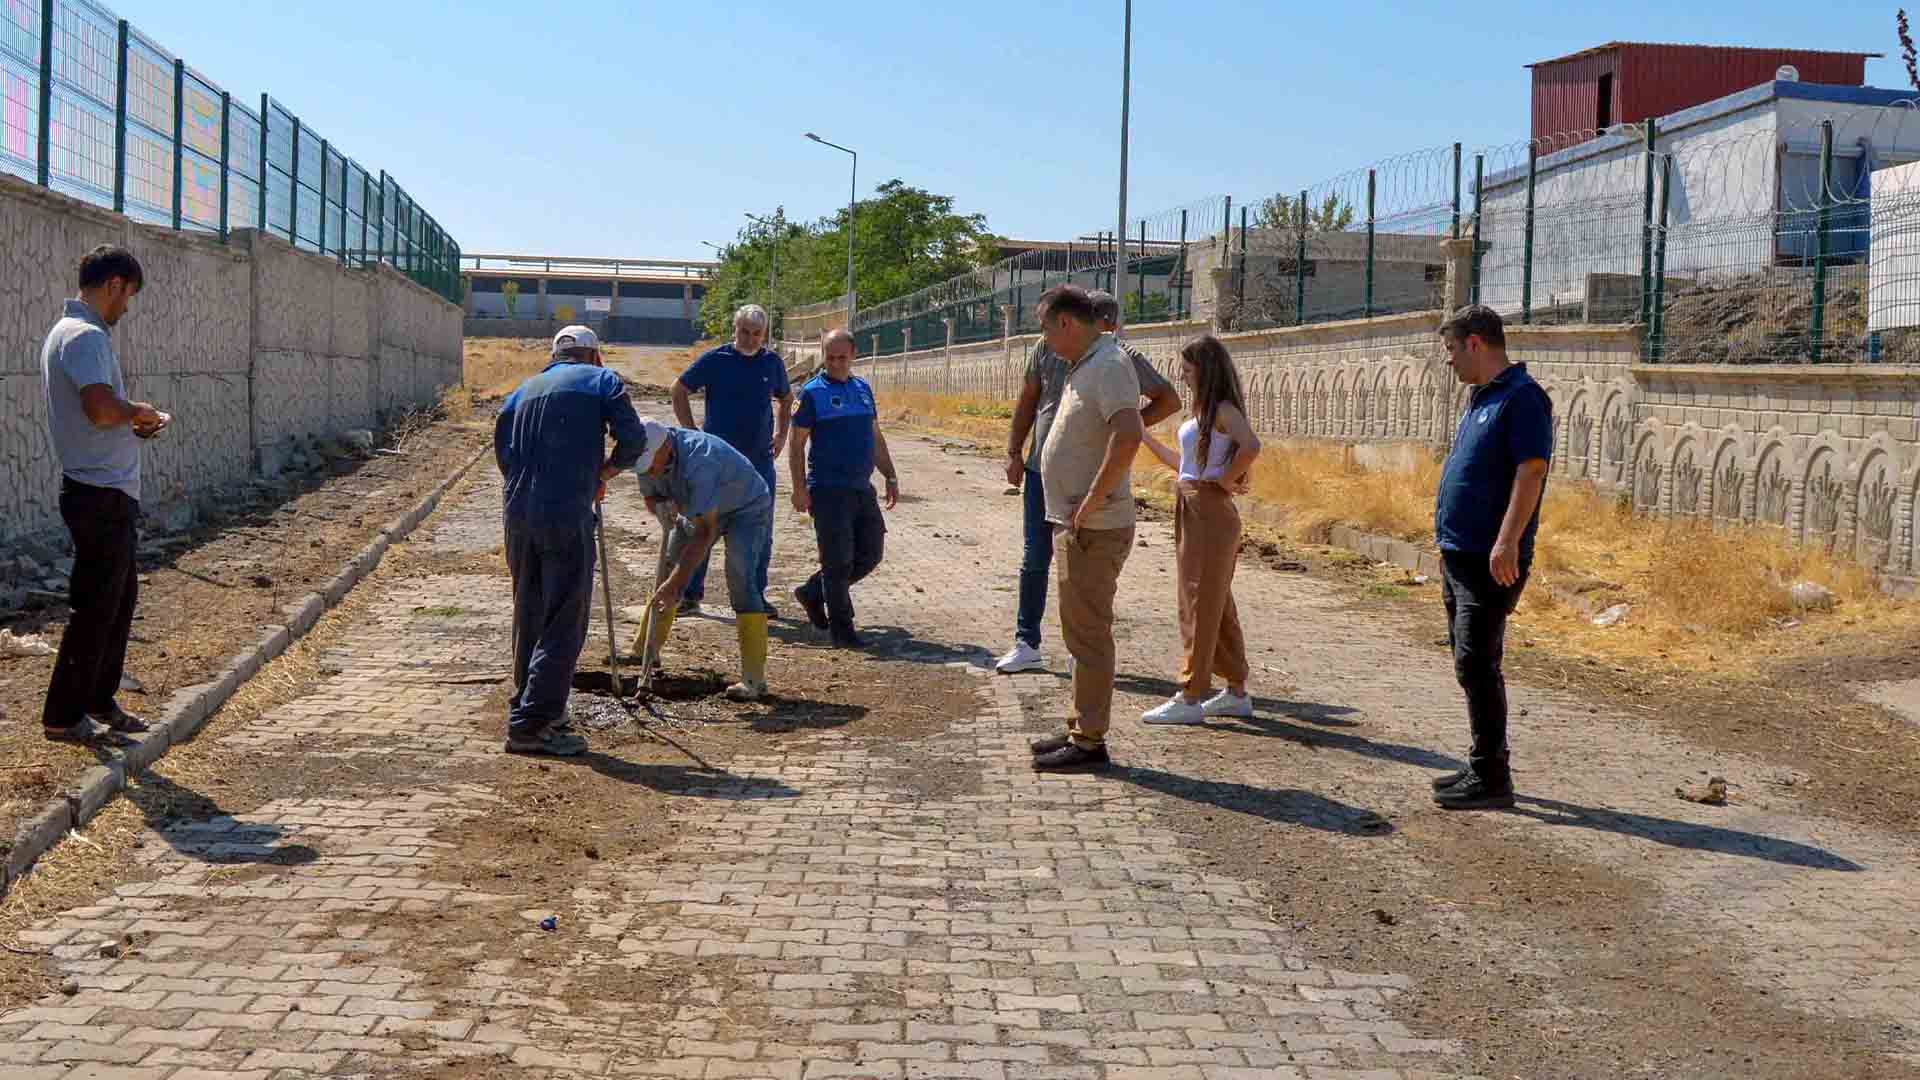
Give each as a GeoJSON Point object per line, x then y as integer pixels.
{"type": "Point", "coordinates": [1545, 964]}
{"type": "Point", "coordinates": [1853, 758]}
{"type": "Point", "coordinates": [557, 819]}
{"type": "Point", "coordinates": [1848, 757]}
{"type": "Point", "coordinates": [206, 593]}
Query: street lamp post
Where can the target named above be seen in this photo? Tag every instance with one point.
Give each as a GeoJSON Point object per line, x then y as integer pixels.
{"type": "Point", "coordinates": [853, 192]}
{"type": "Point", "coordinates": [773, 272]}
{"type": "Point", "coordinates": [1126, 102]}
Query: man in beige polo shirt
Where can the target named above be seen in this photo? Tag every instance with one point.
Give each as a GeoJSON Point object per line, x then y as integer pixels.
{"type": "Point", "coordinates": [1086, 468]}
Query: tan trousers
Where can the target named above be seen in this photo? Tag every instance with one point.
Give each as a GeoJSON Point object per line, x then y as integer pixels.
{"type": "Point", "coordinates": [1206, 537]}
{"type": "Point", "coordinates": [1088, 573]}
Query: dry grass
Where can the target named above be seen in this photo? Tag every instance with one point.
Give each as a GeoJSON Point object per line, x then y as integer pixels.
{"type": "Point", "coordinates": [982, 420]}
{"type": "Point", "coordinates": [1702, 597]}
{"type": "Point", "coordinates": [493, 367]}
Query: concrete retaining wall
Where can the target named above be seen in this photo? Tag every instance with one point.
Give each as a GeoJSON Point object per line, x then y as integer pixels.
{"type": "Point", "coordinates": [252, 345]}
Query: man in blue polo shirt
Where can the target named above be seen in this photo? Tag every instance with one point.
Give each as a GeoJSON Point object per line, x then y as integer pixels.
{"type": "Point", "coordinates": [741, 380]}
{"type": "Point", "coordinates": [1485, 518]}
{"type": "Point", "coordinates": [835, 483]}
{"type": "Point", "coordinates": [550, 444]}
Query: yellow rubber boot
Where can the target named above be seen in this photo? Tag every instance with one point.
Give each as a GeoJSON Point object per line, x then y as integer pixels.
{"type": "Point", "coordinates": [662, 626]}
{"type": "Point", "coordinates": [752, 631]}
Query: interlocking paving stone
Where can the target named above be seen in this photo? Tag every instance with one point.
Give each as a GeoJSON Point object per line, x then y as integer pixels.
{"type": "Point", "coordinates": [1015, 927]}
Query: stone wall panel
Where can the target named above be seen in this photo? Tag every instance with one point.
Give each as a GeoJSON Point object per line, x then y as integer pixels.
{"type": "Point", "coordinates": [250, 344]}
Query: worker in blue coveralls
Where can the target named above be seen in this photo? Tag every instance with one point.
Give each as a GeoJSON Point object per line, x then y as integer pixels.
{"type": "Point", "coordinates": [838, 417]}
{"type": "Point", "coordinates": [741, 381]}
{"type": "Point", "coordinates": [715, 493]}
{"type": "Point", "coordinates": [550, 444]}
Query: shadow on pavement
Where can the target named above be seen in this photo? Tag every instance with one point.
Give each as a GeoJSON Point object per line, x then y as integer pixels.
{"type": "Point", "coordinates": [194, 825]}
{"type": "Point", "coordinates": [1286, 806]}
{"type": "Point", "coordinates": [886, 643]}
{"type": "Point", "coordinates": [795, 714]}
{"type": "Point", "coordinates": [1682, 834]}
{"type": "Point", "coordinates": [1265, 723]}
{"type": "Point", "coordinates": [693, 782]}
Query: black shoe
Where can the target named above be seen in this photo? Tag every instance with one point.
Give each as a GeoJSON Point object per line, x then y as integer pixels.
{"type": "Point", "coordinates": [816, 609]}
{"type": "Point", "coordinates": [84, 732]}
{"type": "Point", "coordinates": [1475, 793]}
{"type": "Point", "coordinates": [848, 639]}
{"type": "Point", "coordinates": [1071, 758]}
{"type": "Point", "coordinates": [1447, 780]}
{"type": "Point", "coordinates": [1048, 744]}
{"type": "Point", "coordinates": [688, 606]}
{"type": "Point", "coordinates": [119, 719]}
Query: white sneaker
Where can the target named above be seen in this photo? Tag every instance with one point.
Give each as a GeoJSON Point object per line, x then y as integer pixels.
{"type": "Point", "coordinates": [1228, 703]}
{"type": "Point", "coordinates": [1174, 711]}
{"type": "Point", "coordinates": [1023, 657]}
{"type": "Point", "coordinates": [746, 690]}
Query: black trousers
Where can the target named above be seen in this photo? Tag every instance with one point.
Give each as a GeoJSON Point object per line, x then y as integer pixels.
{"type": "Point", "coordinates": [1477, 610]}
{"type": "Point", "coordinates": [102, 591]}
{"type": "Point", "coordinates": [552, 568]}
{"type": "Point", "coordinates": [852, 535]}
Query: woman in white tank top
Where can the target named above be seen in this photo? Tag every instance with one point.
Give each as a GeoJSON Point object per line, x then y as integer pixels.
{"type": "Point", "coordinates": [1217, 450]}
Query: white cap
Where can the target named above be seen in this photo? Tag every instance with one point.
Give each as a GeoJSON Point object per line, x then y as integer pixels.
{"type": "Point", "coordinates": [656, 434]}
{"type": "Point", "coordinates": [574, 337]}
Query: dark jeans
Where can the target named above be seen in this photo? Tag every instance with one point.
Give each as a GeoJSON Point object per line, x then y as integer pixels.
{"type": "Point", "coordinates": [697, 584]}
{"type": "Point", "coordinates": [102, 591]}
{"type": "Point", "coordinates": [852, 534]}
{"type": "Point", "coordinates": [552, 567]}
{"type": "Point", "coordinates": [1477, 610]}
{"type": "Point", "coordinates": [1036, 563]}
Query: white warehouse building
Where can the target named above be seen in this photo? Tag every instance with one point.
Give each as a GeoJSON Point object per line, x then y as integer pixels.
{"type": "Point", "coordinates": [1745, 179]}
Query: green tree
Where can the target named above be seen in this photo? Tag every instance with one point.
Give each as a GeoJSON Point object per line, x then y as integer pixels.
{"type": "Point", "coordinates": [904, 239]}
{"type": "Point", "coordinates": [1286, 212]}
{"type": "Point", "coordinates": [511, 290]}
{"type": "Point", "coordinates": [1157, 307]}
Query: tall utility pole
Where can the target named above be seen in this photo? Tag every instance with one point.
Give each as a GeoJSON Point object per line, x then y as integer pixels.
{"type": "Point", "coordinates": [853, 195]}
{"type": "Point", "coordinates": [1126, 104]}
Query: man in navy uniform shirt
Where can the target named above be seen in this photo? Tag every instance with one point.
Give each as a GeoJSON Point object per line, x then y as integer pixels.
{"type": "Point", "coordinates": [1485, 517]}
{"type": "Point", "coordinates": [550, 444]}
{"type": "Point", "coordinates": [741, 381]}
{"type": "Point", "coordinates": [835, 482]}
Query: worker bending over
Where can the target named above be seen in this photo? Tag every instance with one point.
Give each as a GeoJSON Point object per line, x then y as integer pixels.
{"type": "Point", "coordinates": [718, 493]}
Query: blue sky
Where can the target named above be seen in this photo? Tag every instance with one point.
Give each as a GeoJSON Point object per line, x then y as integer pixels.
{"type": "Point", "coordinates": [622, 128]}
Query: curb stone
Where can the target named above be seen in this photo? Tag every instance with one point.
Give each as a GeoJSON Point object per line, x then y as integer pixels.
{"type": "Point", "coordinates": [190, 707]}
{"type": "Point", "coordinates": [37, 835]}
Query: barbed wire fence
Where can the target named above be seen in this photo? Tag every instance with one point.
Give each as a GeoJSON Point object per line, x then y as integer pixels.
{"type": "Point", "coordinates": [1762, 235]}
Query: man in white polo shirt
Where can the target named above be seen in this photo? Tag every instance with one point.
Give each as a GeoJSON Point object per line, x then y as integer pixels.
{"type": "Point", "coordinates": [96, 435]}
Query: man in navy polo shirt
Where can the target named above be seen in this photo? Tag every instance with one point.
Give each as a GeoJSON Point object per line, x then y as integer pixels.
{"type": "Point", "coordinates": [741, 380]}
{"type": "Point", "coordinates": [835, 483]}
{"type": "Point", "coordinates": [1485, 519]}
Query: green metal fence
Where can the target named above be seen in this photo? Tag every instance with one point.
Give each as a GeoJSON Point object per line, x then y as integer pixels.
{"type": "Point", "coordinates": [92, 108]}
{"type": "Point", "coordinates": [1770, 234]}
